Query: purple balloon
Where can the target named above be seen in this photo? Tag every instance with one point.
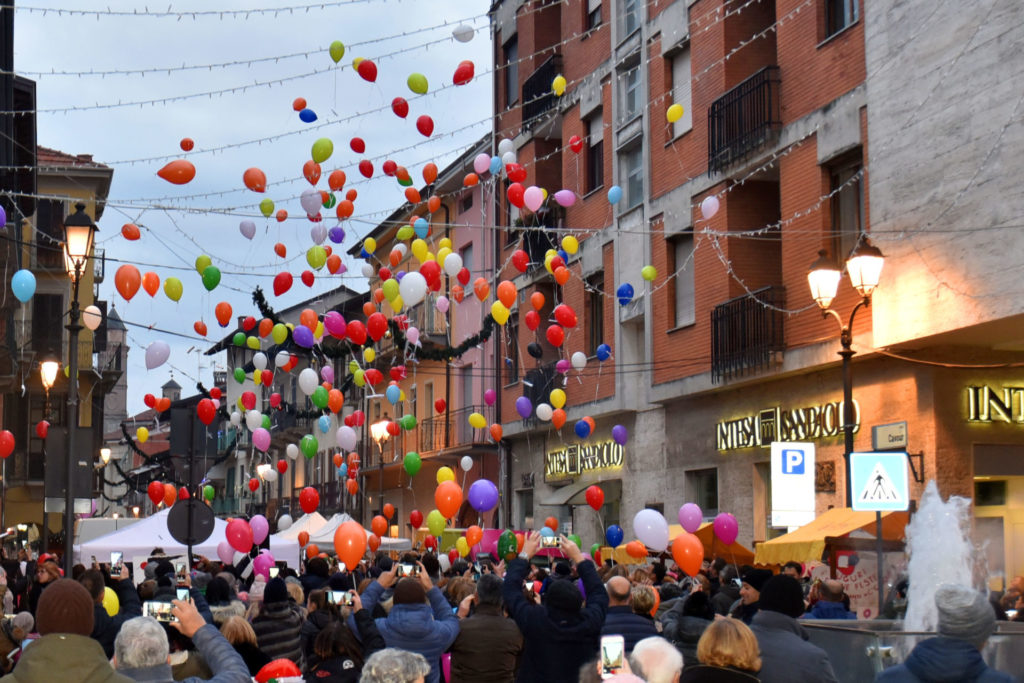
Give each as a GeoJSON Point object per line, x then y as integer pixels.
{"type": "Point", "coordinates": [260, 528]}
{"type": "Point", "coordinates": [336, 234]}
{"type": "Point", "coordinates": [726, 528]}
{"type": "Point", "coordinates": [327, 373]}
{"type": "Point", "coordinates": [483, 495]}
{"type": "Point", "coordinates": [490, 396]}
{"type": "Point", "coordinates": [563, 366]}
{"type": "Point", "coordinates": [690, 517]}
{"type": "Point", "coordinates": [399, 275]}
{"type": "Point", "coordinates": [620, 434]}
{"type": "Point", "coordinates": [3, 218]}
{"type": "Point", "coordinates": [524, 407]}
{"type": "Point", "coordinates": [303, 336]}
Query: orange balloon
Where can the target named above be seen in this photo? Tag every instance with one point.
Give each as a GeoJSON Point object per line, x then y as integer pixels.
{"type": "Point", "coordinates": [255, 179]}
{"type": "Point", "coordinates": [496, 433]}
{"type": "Point", "coordinates": [266, 326]}
{"type": "Point", "coordinates": [507, 293]}
{"type": "Point", "coordinates": [481, 288]}
{"type": "Point", "coordinates": [200, 327]}
{"type": "Point", "coordinates": [303, 537]}
{"type": "Point", "coordinates": [223, 313]}
{"type": "Point", "coordinates": [170, 494]}
{"type": "Point", "coordinates": [474, 535]}
{"type": "Point", "coordinates": [333, 263]}
{"type": "Point", "coordinates": [130, 231]}
{"type": "Point", "coordinates": [353, 459]}
{"type": "Point", "coordinates": [369, 308]}
{"type": "Point", "coordinates": [558, 418]}
{"type": "Point", "coordinates": [448, 498]}
{"type": "Point", "coordinates": [378, 297]}
{"type": "Point", "coordinates": [458, 293]}
{"type": "Point", "coordinates": [353, 487]}
{"type": "Point", "coordinates": [412, 195]}
{"type": "Point", "coordinates": [312, 551]}
{"type": "Point", "coordinates": [433, 204]}
{"type": "Point", "coordinates": [520, 540]}
{"type": "Point", "coordinates": [308, 318]}
{"type": "Point", "coordinates": [187, 144]}
{"type": "Point", "coordinates": [311, 172]}
{"type": "Point", "coordinates": [335, 402]}
{"type": "Point", "coordinates": [127, 280]}
{"type": "Point", "coordinates": [299, 103]}
{"type": "Point", "coordinates": [162, 404]}
{"type": "Point", "coordinates": [562, 275]}
{"type": "Point", "coordinates": [470, 180]}
{"type": "Point", "coordinates": [379, 525]}
{"type": "Point", "coordinates": [178, 172]}
{"type": "Point", "coordinates": [338, 459]}
{"type": "Point", "coordinates": [350, 542]}
{"type": "Point", "coordinates": [336, 180]}
{"type": "Point", "coordinates": [373, 541]}
{"type": "Point", "coordinates": [657, 600]}
{"type": "Point", "coordinates": [281, 216]}
{"type": "Point", "coordinates": [688, 552]}
{"type": "Point", "coordinates": [395, 257]}
{"type": "Point", "coordinates": [636, 549]}
{"type": "Point", "coordinates": [281, 250]}
{"type": "Point", "coordinates": [551, 523]}
{"type": "Point", "coordinates": [352, 194]}
{"type": "Point", "coordinates": [430, 173]}
{"type": "Point", "coordinates": [324, 197]}
{"type": "Point", "coordinates": [151, 283]}
{"type": "Point", "coordinates": [537, 300]}
{"type": "Point", "coordinates": [389, 510]}
{"type": "Point", "coordinates": [345, 208]}
{"type": "Point", "coordinates": [590, 421]}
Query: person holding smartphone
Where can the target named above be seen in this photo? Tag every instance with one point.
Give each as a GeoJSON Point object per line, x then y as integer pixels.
{"type": "Point", "coordinates": [563, 634]}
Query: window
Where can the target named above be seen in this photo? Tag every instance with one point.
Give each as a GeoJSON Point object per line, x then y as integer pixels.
{"type": "Point", "coordinates": [466, 202]}
{"type": "Point", "coordinates": [467, 257]}
{"type": "Point", "coordinates": [702, 489]}
{"type": "Point", "coordinates": [593, 18]}
{"type": "Point", "coordinates": [595, 152]}
{"type": "Point", "coordinates": [525, 508]}
{"type": "Point", "coordinates": [683, 267]}
{"type": "Point", "coordinates": [847, 206]}
{"type": "Point", "coordinates": [511, 71]}
{"type": "Point", "coordinates": [467, 386]}
{"type": "Point", "coordinates": [681, 93]}
{"type": "Point", "coordinates": [413, 402]}
{"type": "Point", "coordinates": [630, 16]}
{"type": "Point", "coordinates": [50, 224]}
{"type": "Point", "coordinates": [428, 396]}
{"type": "Point", "coordinates": [631, 175]}
{"type": "Point", "coordinates": [47, 323]}
{"type": "Point", "coordinates": [631, 94]}
{"type": "Point", "coordinates": [512, 349]}
{"type": "Point", "coordinates": [839, 14]}
{"type": "Point", "coordinates": [594, 303]}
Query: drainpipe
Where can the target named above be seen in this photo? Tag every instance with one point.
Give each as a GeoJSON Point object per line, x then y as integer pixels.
{"type": "Point", "coordinates": [448, 362]}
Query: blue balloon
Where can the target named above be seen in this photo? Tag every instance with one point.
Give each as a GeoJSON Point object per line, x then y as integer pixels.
{"type": "Point", "coordinates": [614, 535]}
{"type": "Point", "coordinates": [343, 469]}
{"type": "Point", "coordinates": [307, 115]}
{"type": "Point", "coordinates": [364, 254]}
{"type": "Point", "coordinates": [564, 255]}
{"type": "Point", "coordinates": [614, 194]}
{"type": "Point", "coordinates": [625, 293]}
{"type": "Point", "coordinates": [604, 352]}
{"type": "Point", "coordinates": [421, 227]}
{"type": "Point", "coordinates": [524, 407]}
{"type": "Point", "coordinates": [337, 234]}
{"type": "Point", "coordinates": [546, 531]}
{"type": "Point", "coordinates": [393, 394]}
{"type": "Point", "coordinates": [495, 165]}
{"type": "Point", "coordinates": [324, 423]}
{"type": "Point", "coordinates": [23, 284]}
{"type": "Point", "coordinates": [582, 429]}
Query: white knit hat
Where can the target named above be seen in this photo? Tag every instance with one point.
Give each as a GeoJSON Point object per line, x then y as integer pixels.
{"type": "Point", "coordinates": [964, 613]}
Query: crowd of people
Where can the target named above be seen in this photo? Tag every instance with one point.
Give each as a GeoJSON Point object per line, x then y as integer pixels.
{"type": "Point", "coordinates": [419, 618]}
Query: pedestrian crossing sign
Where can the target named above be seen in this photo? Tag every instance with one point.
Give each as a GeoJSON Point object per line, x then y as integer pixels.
{"type": "Point", "coordinates": [880, 481]}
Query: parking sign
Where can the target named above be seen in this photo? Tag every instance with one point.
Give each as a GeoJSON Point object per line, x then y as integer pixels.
{"type": "Point", "coordinates": [792, 483]}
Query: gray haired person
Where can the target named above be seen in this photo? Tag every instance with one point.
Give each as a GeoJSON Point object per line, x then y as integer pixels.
{"type": "Point", "coordinates": [392, 665]}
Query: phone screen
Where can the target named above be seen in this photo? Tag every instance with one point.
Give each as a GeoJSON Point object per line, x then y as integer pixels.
{"type": "Point", "coordinates": [613, 652]}
{"type": "Point", "coordinates": [161, 611]}
{"type": "Point", "coordinates": [183, 594]}
{"type": "Point", "coordinates": [343, 598]}
{"type": "Point", "coordinates": [180, 571]}
{"type": "Point", "coordinates": [115, 561]}
{"type": "Point", "coordinates": [274, 571]}
{"type": "Point", "coordinates": [406, 569]}
{"type": "Point", "coordinates": [549, 541]}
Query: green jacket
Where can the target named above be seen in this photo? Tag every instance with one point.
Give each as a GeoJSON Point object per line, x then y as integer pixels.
{"type": "Point", "coordinates": [64, 657]}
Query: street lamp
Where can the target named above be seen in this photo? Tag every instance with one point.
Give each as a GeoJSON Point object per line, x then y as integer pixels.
{"type": "Point", "coordinates": [864, 266]}
{"type": "Point", "coordinates": [79, 233]}
{"type": "Point", "coordinates": [105, 456]}
{"type": "Point", "coordinates": [48, 370]}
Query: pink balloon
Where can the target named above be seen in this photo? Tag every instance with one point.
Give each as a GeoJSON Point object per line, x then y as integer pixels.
{"type": "Point", "coordinates": [690, 517]}
{"type": "Point", "coordinates": [413, 335]}
{"type": "Point", "coordinates": [533, 197]}
{"type": "Point", "coordinates": [481, 163]}
{"type": "Point", "coordinates": [726, 528]}
{"type": "Point", "coordinates": [442, 304]}
{"type": "Point", "coordinates": [239, 535]}
{"type": "Point", "coordinates": [490, 396]}
{"type": "Point", "coordinates": [327, 374]}
{"type": "Point", "coordinates": [261, 439]}
{"type": "Point", "coordinates": [709, 207]}
{"type": "Point", "coordinates": [565, 198]}
{"type": "Point", "coordinates": [262, 563]}
{"type": "Point", "coordinates": [335, 325]}
{"type": "Point", "coordinates": [260, 528]}
{"type": "Point", "coordinates": [225, 553]}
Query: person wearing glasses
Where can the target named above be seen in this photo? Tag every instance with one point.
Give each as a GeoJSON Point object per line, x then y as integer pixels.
{"type": "Point", "coordinates": [47, 572]}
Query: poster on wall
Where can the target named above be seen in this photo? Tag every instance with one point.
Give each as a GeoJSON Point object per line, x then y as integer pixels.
{"type": "Point", "coordinates": [859, 578]}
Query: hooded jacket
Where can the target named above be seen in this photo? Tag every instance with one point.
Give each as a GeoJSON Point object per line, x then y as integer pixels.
{"type": "Point", "coordinates": [829, 610]}
{"type": "Point", "coordinates": [786, 654]}
{"type": "Point", "coordinates": [278, 627]}
{"type": "Point", "coordinates": [556, 643]}
{"type": "Point", "coordinates": [64, 657]}
{"type": "Point", "coordinates": [943, 660]}
{"type": "Point", "coordinates": [426, 629]}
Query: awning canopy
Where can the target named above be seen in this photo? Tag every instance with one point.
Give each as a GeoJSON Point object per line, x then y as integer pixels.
{"type": "Point", "coordinates": [324, 536]}
{"type": "Point", "coordinates": [808, 543]}
{"type": "Point", "coordinates": [310, 523]}
{"type": "Point", "coordinates": [734, 553]}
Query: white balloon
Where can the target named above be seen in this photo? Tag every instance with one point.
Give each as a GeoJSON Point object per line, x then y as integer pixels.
{"type": "Point", "coordinates": [92, 316]}
{"type": "Point", "coordinates": [248, 229]}
{"type": "Point", "coordinates": [452, 264]}
{"type": "Point", "coordinates": [308, 381]}
{"type": "Point", "coordinates": [506, 146]}
{"type": "Point", "coordinates": [253, 420]}
{"type": "Point", "coordinates": [311, 202]}
{"type": "Point", "coordinates": [281, 359]}
{"type": "Point", "coordinates": [236, 418]}
{"type": "Point", "coordinates": [544, 412]}
{"type": "Point", "coordinates": [413, 288]}
{"type": "Point", "coordinates": [346, 437]}
{"type": "Point", "coordinates": [368, 270]}
{"type": "Point", "coordinates": [466, 463]}
{"type": "Point", "coordinates": [270, 476]}
{"type": "Point", "coordinates": [318, 233]}
{"type": "Point", "coordinates": [651, 528]}
{"type": "Point", "coordinates": [284, 522]}
{"type": "Point", "coordinates": [709, 207]}
{"type": "Point", "coordinates": [463, 33]}
{"type": "Point", "coordinates": [259, 361]}
{"type": "Point", "coordinates": [292, 451]}
{"type": "Point", "coordinates": [508, 158]}
{"type": "Point", "coordinates": [579, 360]}
{"type": "Point", "coordinates": [403, 248]}
{"type": "Point", "coordinates": [158, 352]}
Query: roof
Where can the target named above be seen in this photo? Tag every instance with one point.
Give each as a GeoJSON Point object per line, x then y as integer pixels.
{"type": "Point", "coordinates": [53, 157]}
{"type": "Point", "coordinates": [171, 384]}
{"type": "Point", "coordinates": [114, 321]}
{"type": "Point", "coordinates": [807, 544]}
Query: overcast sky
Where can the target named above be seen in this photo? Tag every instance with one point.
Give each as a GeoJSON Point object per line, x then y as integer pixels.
{"type": "Point", "coordinates": [280, 56]}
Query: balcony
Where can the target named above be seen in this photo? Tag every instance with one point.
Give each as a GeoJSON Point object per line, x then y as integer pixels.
{"type": "Point", "coordinates": [744, 119]}
{"type": "Point", "coordinates": [438, 433]}
{"type": "Point", "coordinates": [538, 98]}
{"type": "Point", "coordinates": [747, 333]}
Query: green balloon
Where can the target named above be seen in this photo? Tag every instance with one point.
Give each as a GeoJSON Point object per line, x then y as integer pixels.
{"type": "Point", "coordinates": [265, 422]}
{"type": "Point", "coordinates": [575, 538]}
{"type": "Point", "coordinates": [408, 422]}
{"type": "Point", "coordinates": [330, 202]}
{"type": "Point", "coordinates": [405, 232]}
{"type": "Point", "coordinates": [319, 397]}
{"type": "Point", "coordinates": [595, 549]}
{"type": "Point", "coordinates": [208, 492]}
{"type": "Point", "coordinates": [436, 523]}
{"type": "Point", "coordinates": [239, 340]}
{"type": "Point", "coordinates": [316, 257]}
{"type": "Point", "coordinates": [309, 445]}
{"type": "Point", "coordinates": [412, 463]}
{"type": "Point", "coordinates": [239, 375]}
{"type": "Point", "coordinates": [322, 150]}
{"type": "Point", "coordinates": [337, 50]}
{"type": "Point", "coordinates": [508, 547]}
{"type": "Point", "coordinates": [211, 277]}
{"type": "Point", "coordinates": [405, 182]}
{"type": "Point", "coordinates": [417, 83]}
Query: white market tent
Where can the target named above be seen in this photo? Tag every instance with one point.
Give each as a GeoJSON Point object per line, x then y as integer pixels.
{"type": "Point", "coordinates": [325, 536]}
{"type": "Point", "coordinates": [309, 523]}
{"type": "Point", "coordinates": [139, 539]}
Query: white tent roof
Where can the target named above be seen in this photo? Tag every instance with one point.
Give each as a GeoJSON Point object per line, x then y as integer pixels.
{"type": "Point", "coordinates": [309, 523]}
{"type": "Point", "coordinates": [325, 536]}
{"type": "Point", "coordinates": [139, 539]}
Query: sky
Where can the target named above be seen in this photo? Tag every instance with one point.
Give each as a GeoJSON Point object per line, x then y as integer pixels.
{"type": "Point", "coordinates": [226, 77]}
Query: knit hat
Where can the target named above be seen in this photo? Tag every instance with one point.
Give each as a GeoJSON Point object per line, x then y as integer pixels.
{"type": "Point", "coordinates": [756, 578]}
{"type": "Point", "coordinates": [964, 613]}
{"type": "Point", "coordinates": [218, 592]}
{"type": "Point", "coordinates": [562, 570]}
{"type": "Point", "coordinates": [409, 592]}
{"type": "Point", "coordinates": [24, 621]}
{"type": "Point", "coordinates": [563, 596]}
{"type": "Point", "coordinates": [65, 607]}
{"type": "Point", "coordinates": [276, 591]}
{"type": "Point", "coordinates": [782, 594]}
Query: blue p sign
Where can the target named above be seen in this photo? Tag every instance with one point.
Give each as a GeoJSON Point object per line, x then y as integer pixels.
{"type": "Point", "coordinates": [792, 461]}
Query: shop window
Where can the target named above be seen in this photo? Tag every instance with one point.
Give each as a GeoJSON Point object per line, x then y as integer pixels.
{"type": "Point", "coordinates": [684, 285]}
{"type": "Point", "coordinates": [595, 152]}
{"type": "Point", "coordinates": [657, 507]}
{"type": "Point", "coordinates": [681, 90]}
{"type": "Point", "coordinates": [511, 51]}
{"type": "Point", "coordinates": [595, 313]}
{"type": "Point", "coordinates": [702, 488]}
{"type": "Point", "coordinates": [631, 174]}
{"type": "Point", "coordinates": [839, 14]}
{"type": "Point", "coordinates": [987, 493]}
{"type": "Point", "coordinates": [593, 18]}
{"type": "Point", "coordinates": [847, 205]}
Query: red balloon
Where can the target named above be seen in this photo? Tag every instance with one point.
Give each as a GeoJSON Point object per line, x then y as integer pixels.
{"type": "Point", "coordinates": [187, 144]}
{"type": "Point", "coordinates": [215, 393]}
{"type": "Point", "coordinates": [366, 167]}
{"type": "Point", "coordinates": [463, 276]}
{"type": "Point", "coordinates": [532, 320]}
{"type": "Point", "coordinates": [430, 541]}
{"type": "Point", "coordinates": [254, 484]}
{"type": "Point", "coordinates": [183, 493]}
{"type": "Point", "coordinates": [425, 125]}
{"type": "Point", "coordinates": [149, 400]}
{"type": "Point", "coordinates": [440, 405]}
{"type": "Point", "coordinates": [368, 70]}
{"type": "Point", "coordinates": [282, 465]}
{"type": "Point", "coordinates": [416, 519]}
{"type": "Point", "coordinates": [279, 668]}
{"type": "Point", "coordinates": [357, 145]}
{"type": "Point", "coordinates": [555, 335]}
{"type": "Point", "coordinates": [155, 491]}
{"type": "Point", "coordinates": [307, 278]}
{"type": "Point", "coordinates": [400, 107]}
{"type": "Point", "coordinates": [595, 497]}
{"type": "Point", "coordinates": [394, 429]}
{"type": "Point", "coordinates": [515, 195]}
{"type": "Point", "coordinates": [282, 283]}
{"type": "Point", "coordinates": [515, 172]}
{"type": "Point", "coordinates": [389, 168]}
{"type": "Point", "coordinates": [309, 500]}
{"type": "Point", "coordinates": [356, 332]}
{"type": "Point", "coordinates": [42, 429]}
{"type": "Point", "coordinates": [377, 326]}
{"type": "Point", "coordinates": [565, 316]}
{"type": "Point", "coordinates": [431, 271]}
{"type": "Point", "coordinates": [521, 260]}
{"type": "Point", "coordinates": [249, 400]}
{"type": "Point", "coordinates": [266, 378]}
{"type": "Point", "coordinates": [453, 555]}
{"type": "Point", "coordinates": [275, 400]}
{"type": "Point", "coordinates": [576, 144]}
{"type": "Point", "coordinates": [463, 73]}
{"type": "Point", "coordinates": [551, 523]}
{"type": "Point", "coordinates": [358, 416]}
{"type": "Point", "coordinates": [206, 411]}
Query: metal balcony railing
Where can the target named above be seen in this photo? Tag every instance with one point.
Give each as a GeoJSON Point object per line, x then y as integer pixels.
{"type": "Point", "coordinates": [743, 119]}
{"type": "Point", "coordinates": [437, 433]}
{"type": "Point", "coordinates": [538, 97]}
{"type": "Point", "coordinates": [746, 332]}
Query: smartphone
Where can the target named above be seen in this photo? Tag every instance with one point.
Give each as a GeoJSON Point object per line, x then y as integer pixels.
{"type": "Point", "coordinates": [180, 571]}
{"type": "Point", "coordinates": [343, 598]}
{"type": "Point", "coordinates": [613, 654]}
{"type": "Point", "coordinates": [183, 594]}
{"type": "Point", "coordinates": [406, 569]}
{"type": "Point", "coordinates": [161, 611]}
{"type": "Point", "coordinates": [549, 541]}
{"type": "Point", "coordinates": [115, 562]}
{"type": "Point", "coordinates": [274, 572]}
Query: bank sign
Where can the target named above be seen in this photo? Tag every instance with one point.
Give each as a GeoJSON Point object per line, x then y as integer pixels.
{"type": "Point", "coordinates": [784, 424]}
{"type": "Point", "coordinates": [579, 459]}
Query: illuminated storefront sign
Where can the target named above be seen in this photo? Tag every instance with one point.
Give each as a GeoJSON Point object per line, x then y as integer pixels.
{"type": "Point", "coordinates": [577, 459]}
{"type": "Point", "coordinates": [985, 404]}
{"type": "Point", "coordinates": [784, 424]}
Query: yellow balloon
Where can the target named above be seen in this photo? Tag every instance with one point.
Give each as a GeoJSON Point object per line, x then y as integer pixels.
{"type": "Point", "coordinates": [257, 377]}
{"type": "Point", "coordinates": [570, 244]}
{"type": "Point", "coordinates": [353, 366]}
{"type": "Point", "coordinates": [674, 113]}
{"type": "Point", "coordinates": [445, 474]}
{"type": "Point", "coordinates": [460, 544]}
{"type": "Point", "coordinates": [279, 333]}
{"type": "Point", "coordinates": [442, 254]}
{"type": "Point", "coordinates": [357, 61]}
{"type": "Point", "coordinates": [557, 398]}
{"type": "Point", "coordinates": [110, 602]}
{"type": "Point", "coordinates": [499, 312]}
{"type": "Point", "coordinates": [202, 263]}
{"type": "Point", "coordinates": [478, 421]}
{"type": "Point", "coordinates": [419, 249]}
{"type": "Point", "coordinates": [445, 243]}
{"type": "Point", "coordinates": [358, 378]}
{"type": "Point", "coordinates": [142, 435]}
{"type": "Point", "coordinates": [547, 261]}
{"type": "Point", "coordinates": [369, 355]}
{"type": "Point", "coordinates": [172, 288]}
{"type": "Point", "coordinates": [370, 245]}
{"type": "Point", "coordinates": [390, 289]}
{"type": "Point", "coordinates": [397, 305]}
{"type": "Point", "coordinates": [558, 85]}
{"type": "Point", "coordinates": [430, 256]}
{"type": "Point", "coordinates": [252, 342]}
{"type": "Point", "coordinates": [319, 331]}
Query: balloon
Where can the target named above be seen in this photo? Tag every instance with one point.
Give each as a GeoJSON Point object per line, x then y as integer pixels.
{"type": "Point", "coordinates": [709, 207]}
{"type": "Point", "coordinates": [379, 525]}
{"type": "Point", "coordinates": [477, 421]}
{"type": "Point", "coordinates": [179, 172]}
{"type": "Point", "coordinates": [239, 535]}
{"type": "Point", "coordinates": [604, 352]}
{"type": "Point", "coordinates": [267, 207]}
{"type": "Point", "coordinates": [565, 198]}
{"type": "Point", "coordinates": [142, 435]}
{"type": "Point", "coordinates": [222, 312]}
{"type": "Point", "coordinates": [558, 85]}
{"type": "Point", "coordinates": [595, 497]}
{"type": "Point", "coordinates": [157, 354]}
{"type": "Point", "coordinates": [151, 283]}
{"type": "Point", "coordinates": [474, 534]}
{"type": "Point", "coordinates": [322, 150]}
{"type": "Point", "coordinates": [350, 543]}
{"type": "Point", "coordinates": [688, 552]}
{"type": "Point", "coordinates": [255, 180]}
{"type": "Point", "coordinates": [172, 288]}
{"type": "Point", "coordinates": [614, 194]}
{"type": "Point", "coordinates": [555, 335]}
{"type": "Point", "coordinates": [524, 407]}
{"type": "Point", "coordinates": [417, 83]}
{"type": "Point", "coordinates": [533, 198]}
{"type": "Point", "coordinates": [507, 546]}
{"type": "Point", "coordinates": [309, 445]}
{"type": "Point", "coordinates": [483, 495]}
{"type": "Point", "coordinates": [436, 522]}
{"type": "Point", "coordinates": [690, 517]}
{"type": "Point", "coordinates": [579, 360]}
{"type": "Point", "coordinates": [620, 435]}
{"type": "Point", "coordinates": [490, 396]}
{"type": "Point", "coordinates": [674, 113]}
{"type": "Point", "coordinates": [127, 280]}
{"type": "Point", "coordinates": [649, 273]}
{"type": "Point", "coordinates": [261, 439]}
{"type": "Point", "coordinates": [544, 412]}
{"type": "Point", "coordinates": [23, 284]}
{"type": "Point", "coordinates": [129, 231]}
{"type": "Point", "coordinates": [651, 528]}
{"type": "Point", "coordinates": [400, 107]}
{"type": "Point", "coordinates": [412, 288]}
{"type": "Point", "coordinates": [260, 528]}
{"type": "Point", "coordinates": [211, 277]}
{"type": "Point", "coordinates": [466, 463]}
{"type": "Point", "coordinates": [309, 500]}
{"type": "Point", "coordinates": [463, 72]}
{"type": "Point", "coordinates": [726, 528]}
{"type": "Point", "coordinates": [206, 411]}
{"type": "Point", "coordinates": [582, 429]}
{"type": "Point", "coordinates": [425, 125]}
{"type": "Point", "coordinates": [412, 463]}
{"type": "Point", "coordinates": [448, 498]}
{"type": "Point", "coordinates": [346, 437]}
{"type": "Point", "coordinates": [336, 50]}
{"type": "Point", "coordinates": [463, 33]}
{"type": "Point", "coordinates": [614, 535]}
{"type": "Point", "coordinates": [445, 474]}
{"type": "Point", "coordinates": [565, 316]}
{"type": "Point", "coordinates": [576, 144]}
{"type": "Point", "coordinates": [624, 293]}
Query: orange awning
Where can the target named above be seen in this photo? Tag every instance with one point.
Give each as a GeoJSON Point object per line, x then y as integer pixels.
{"type": "Point", "coordinates": [734, 553]}
{"type": "Point", "coordinates": [807, 544]}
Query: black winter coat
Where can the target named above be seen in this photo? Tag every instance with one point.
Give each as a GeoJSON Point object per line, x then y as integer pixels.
{"type": "Point", "coordinates": [620, 620]}
{"type": "Point", "coordinates": [105, 627]}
